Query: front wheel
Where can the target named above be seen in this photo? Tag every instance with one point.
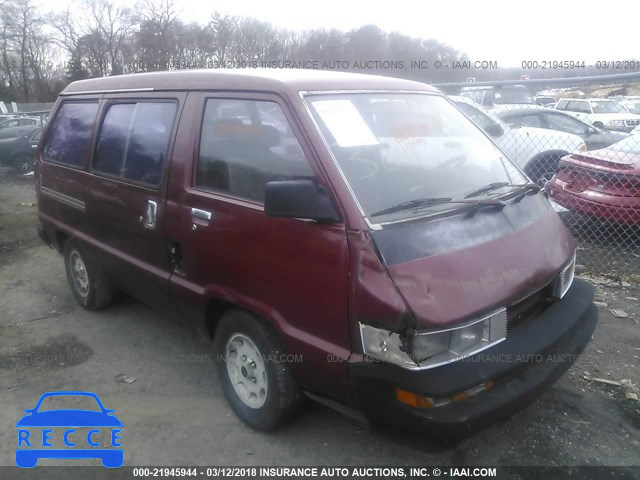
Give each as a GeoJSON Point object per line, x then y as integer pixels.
{"type": "Point", "coordinates": [253, 372]}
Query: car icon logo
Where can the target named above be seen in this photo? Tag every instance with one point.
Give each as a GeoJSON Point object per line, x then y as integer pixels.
{"type": "Point", "coordinates": [69, 433]}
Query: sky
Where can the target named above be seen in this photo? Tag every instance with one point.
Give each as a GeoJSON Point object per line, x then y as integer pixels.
{"type": "Point", "coordinates": [508, 32]}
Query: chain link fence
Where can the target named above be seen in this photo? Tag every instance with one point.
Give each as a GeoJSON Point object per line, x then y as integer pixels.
{"type": "Point", "coordinates": [579, 139]}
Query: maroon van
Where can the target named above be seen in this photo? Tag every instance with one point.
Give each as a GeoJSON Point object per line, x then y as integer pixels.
{"type": "Point", "coordinates": [352, 238]}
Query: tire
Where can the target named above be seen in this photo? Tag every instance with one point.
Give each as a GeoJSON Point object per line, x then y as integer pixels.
{"type": "Point", "coordinates": [23, 162]}
{"type": "Point", "coordinates": [247, 348]}
{"type": "Point", "coordinates": [599, 125]}
{"type": "Point", "coordinates": [91, 289]}
{"type": "Point", "coordinates": [543, 170]}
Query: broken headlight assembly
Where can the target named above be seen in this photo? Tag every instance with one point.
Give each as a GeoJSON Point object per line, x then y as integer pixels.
{"type": "Point", "coordinates": [563, 281]}
{"type": "Point", "coordinates": [424, 350]}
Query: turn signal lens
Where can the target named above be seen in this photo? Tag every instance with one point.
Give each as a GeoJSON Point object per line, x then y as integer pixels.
{"type": "Point", "coordinates": [413, 399]}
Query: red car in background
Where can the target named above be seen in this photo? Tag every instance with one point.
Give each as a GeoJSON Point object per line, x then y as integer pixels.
{"type": "Point", "coordinates": [602, 183]}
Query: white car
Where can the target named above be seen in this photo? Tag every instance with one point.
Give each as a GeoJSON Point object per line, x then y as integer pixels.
{"type": "Point", "coordinates": [537, 151]}
{"type": "Point", "coordinates": [600, 112]}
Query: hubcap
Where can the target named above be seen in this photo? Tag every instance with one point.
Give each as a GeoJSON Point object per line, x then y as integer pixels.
{"type": "Point", "coordinates": [79, 273]}
{"type": "Point", "coordinates": [25, 165]}
{"type": "Point", "coordinates": [246, 370]}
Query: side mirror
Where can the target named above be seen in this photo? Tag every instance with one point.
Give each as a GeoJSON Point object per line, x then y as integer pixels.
{"type": "Point", "coordinates": [299, 199]}
{"type": "Point", "coordinates": [494, 130]}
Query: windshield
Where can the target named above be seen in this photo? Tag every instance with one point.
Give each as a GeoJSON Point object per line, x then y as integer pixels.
{"type": "Point", "coordinates": [633, 107]}
{"type": "Point", "coordinates": [607, 107]}
{"type": "Point", "coordinates": [631, 145]}
{"type": "Point", "coordinates": [394, 148]}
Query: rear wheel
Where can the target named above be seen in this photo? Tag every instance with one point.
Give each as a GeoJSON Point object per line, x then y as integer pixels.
{"type": "Point", "coordinates": [255, 378]}
{"type": "Point", "coordinates": [91, 289]}
{"type": "Point", "coordinates": [543, 170]}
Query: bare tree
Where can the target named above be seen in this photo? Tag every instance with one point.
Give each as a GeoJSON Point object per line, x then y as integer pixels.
{"type": "Point", "coordinates": [156, 40]}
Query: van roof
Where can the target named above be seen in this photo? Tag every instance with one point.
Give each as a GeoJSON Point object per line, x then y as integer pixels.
{"type": "Point", "coordinates": [276, 80]}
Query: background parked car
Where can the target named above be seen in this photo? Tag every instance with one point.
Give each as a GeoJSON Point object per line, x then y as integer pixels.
{"type": "Point", "coordinates": [545, 101]}
{"type": "Point", "coordinates": [536, 150]}
{"type": "Point", "coordinates": [18, 122]}
{"type": "Point", "coordinates": [601, 113]}
{"type": "Point", "coordinates": [17, 149]}
{"type": "Point", "coordinates": [603, 183]}
{"type": "Point", "coordinates": [534, 116]}
{"type": "Point", "coordinates": [490, 96]}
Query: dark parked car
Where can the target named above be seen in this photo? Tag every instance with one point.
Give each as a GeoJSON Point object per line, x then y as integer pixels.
{"type": "Point", "coordinates": [604, 183]}
{"type": "Point", "coordinates": [17, 147]}
{"type": "Point", "coordinates": [540, 117]}
{"type": "Point", "coordinates": [352, 237]}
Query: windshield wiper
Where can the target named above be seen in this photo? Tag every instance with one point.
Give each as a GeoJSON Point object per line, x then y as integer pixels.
{"type": "Point", "coordinates": [496, 185]}
{"type": "Point", "coordinates": [526, 189]}
{"type": "Point", "coordinates": [487, 188]}
{"type": "Point", "coordinates": [426, 202]}
{"type": "Point", "coordinates": [418, 202]}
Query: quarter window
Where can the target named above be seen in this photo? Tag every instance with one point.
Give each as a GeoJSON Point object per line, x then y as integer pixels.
{"type": "Point", "coordinates": [245, 144]}
{"type": "Point", "coordinates": [70, 134]}
{"type": "Point", "coordinates": [133, 141]}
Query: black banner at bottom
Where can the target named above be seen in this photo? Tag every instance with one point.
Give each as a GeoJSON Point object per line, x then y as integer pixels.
{"type": "Point", "coordinates": [417, 472]}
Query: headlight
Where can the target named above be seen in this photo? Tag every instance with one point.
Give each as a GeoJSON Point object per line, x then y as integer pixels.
{"type": "Point", "coordinates": [617, 123]}
{"type": "Point", "coordinates": [430, 349]}
{"type": "Point", "coordinates": [565, 278]}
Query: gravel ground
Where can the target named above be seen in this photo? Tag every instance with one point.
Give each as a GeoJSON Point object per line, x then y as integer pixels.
{"type": "Point", "coordinates": [174, 412]}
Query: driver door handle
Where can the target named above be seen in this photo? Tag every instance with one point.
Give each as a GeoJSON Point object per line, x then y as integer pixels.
{"type": "Point", "coordinates": [201, 214]}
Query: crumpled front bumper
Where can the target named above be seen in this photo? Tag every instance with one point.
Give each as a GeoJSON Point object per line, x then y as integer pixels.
{"type": "Point", "coordinates": [520, 368]}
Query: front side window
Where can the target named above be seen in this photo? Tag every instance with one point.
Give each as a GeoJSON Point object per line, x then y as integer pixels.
{"type": "Point", "coordinates": [566, 123]}
{"type": "Point", "coordinates": [395, 148]}
{"type": "Point", "coordinates": [528, 120]}
{"type": "Point", "coordinates": [70, 134]}
{"type": "Point", "coordinates": [36, 136]}
{"type": "Point", "coordinates": [133, 141]}
{"type": "Point", "coordinates": [245, 144]}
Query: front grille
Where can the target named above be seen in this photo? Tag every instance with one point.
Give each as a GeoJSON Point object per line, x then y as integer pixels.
{"type": "Point", "coordinates": [632, 123]}
{"type": "Point", "coordinates": [529, 308]}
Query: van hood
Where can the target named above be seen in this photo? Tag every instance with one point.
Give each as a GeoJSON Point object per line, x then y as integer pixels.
{"type": "Point", "coordinates": [455, 268]}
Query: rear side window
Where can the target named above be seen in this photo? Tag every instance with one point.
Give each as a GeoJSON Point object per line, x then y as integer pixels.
{"type": "Point", "coordinates": [580, 107]}
{"type": "Point", "coordinates": [133, 141]}
{"type": "Point", "coordinates": [245, 144]}
{"type": "Point", "coordinates": [69, 136]}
